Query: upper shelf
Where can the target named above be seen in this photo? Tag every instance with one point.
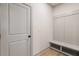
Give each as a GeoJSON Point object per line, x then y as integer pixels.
{"type": "Point", "coordinates": [66, 14]}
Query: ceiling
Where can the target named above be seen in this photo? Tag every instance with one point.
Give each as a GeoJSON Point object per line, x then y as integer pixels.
{"type": "Point", "coordinates": [54, 4]}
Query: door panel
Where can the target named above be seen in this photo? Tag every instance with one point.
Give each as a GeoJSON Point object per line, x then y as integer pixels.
{"type": "Point", "coordinates": [18, 19]}
{"type": "Point", "coordinates": [18, 48]}
{"type": "Point", "coordinates": [12, 38]}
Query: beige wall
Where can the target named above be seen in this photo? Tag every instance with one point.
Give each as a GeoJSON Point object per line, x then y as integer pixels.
{"type": "Point", "coordinates": [42, 26]}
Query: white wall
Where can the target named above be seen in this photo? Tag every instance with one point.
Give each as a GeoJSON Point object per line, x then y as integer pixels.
{"type": "Point", "coordinates": [65, 8]}
{"type": "Point", "coordinates": [0, 37]}
{"type": "Point", "coordinates": [70, 29]}
{"type": "Point", "coordinates": [42, 26]}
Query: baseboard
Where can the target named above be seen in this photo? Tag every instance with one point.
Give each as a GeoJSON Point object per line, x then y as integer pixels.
{"type": "Point", "coordinates": [38, 54]}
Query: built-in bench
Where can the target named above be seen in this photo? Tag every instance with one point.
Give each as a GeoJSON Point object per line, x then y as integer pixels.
{"type": "Point", "coordinates": [66, 48]}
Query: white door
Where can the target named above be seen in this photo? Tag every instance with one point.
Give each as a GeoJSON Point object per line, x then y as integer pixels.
{"type": "Point", "coordinates": [15, 29]}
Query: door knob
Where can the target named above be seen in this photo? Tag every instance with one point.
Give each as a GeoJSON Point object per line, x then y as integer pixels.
{"type": "Point", "coordinates": [29, 36]}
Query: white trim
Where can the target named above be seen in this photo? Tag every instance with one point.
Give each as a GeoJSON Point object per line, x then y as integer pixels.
{"type": "Point", "coordinates": [67, 14]}
{"type": "Point", "coordinates": [75, 47]}
{"type": "Point", "coordinates": [4, 32]}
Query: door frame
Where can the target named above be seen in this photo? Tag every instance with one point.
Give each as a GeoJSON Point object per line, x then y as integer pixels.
{"type": "Point", "coordinates": [7, 53]}
{"type": "Point", "coordinates": [31, 28]}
